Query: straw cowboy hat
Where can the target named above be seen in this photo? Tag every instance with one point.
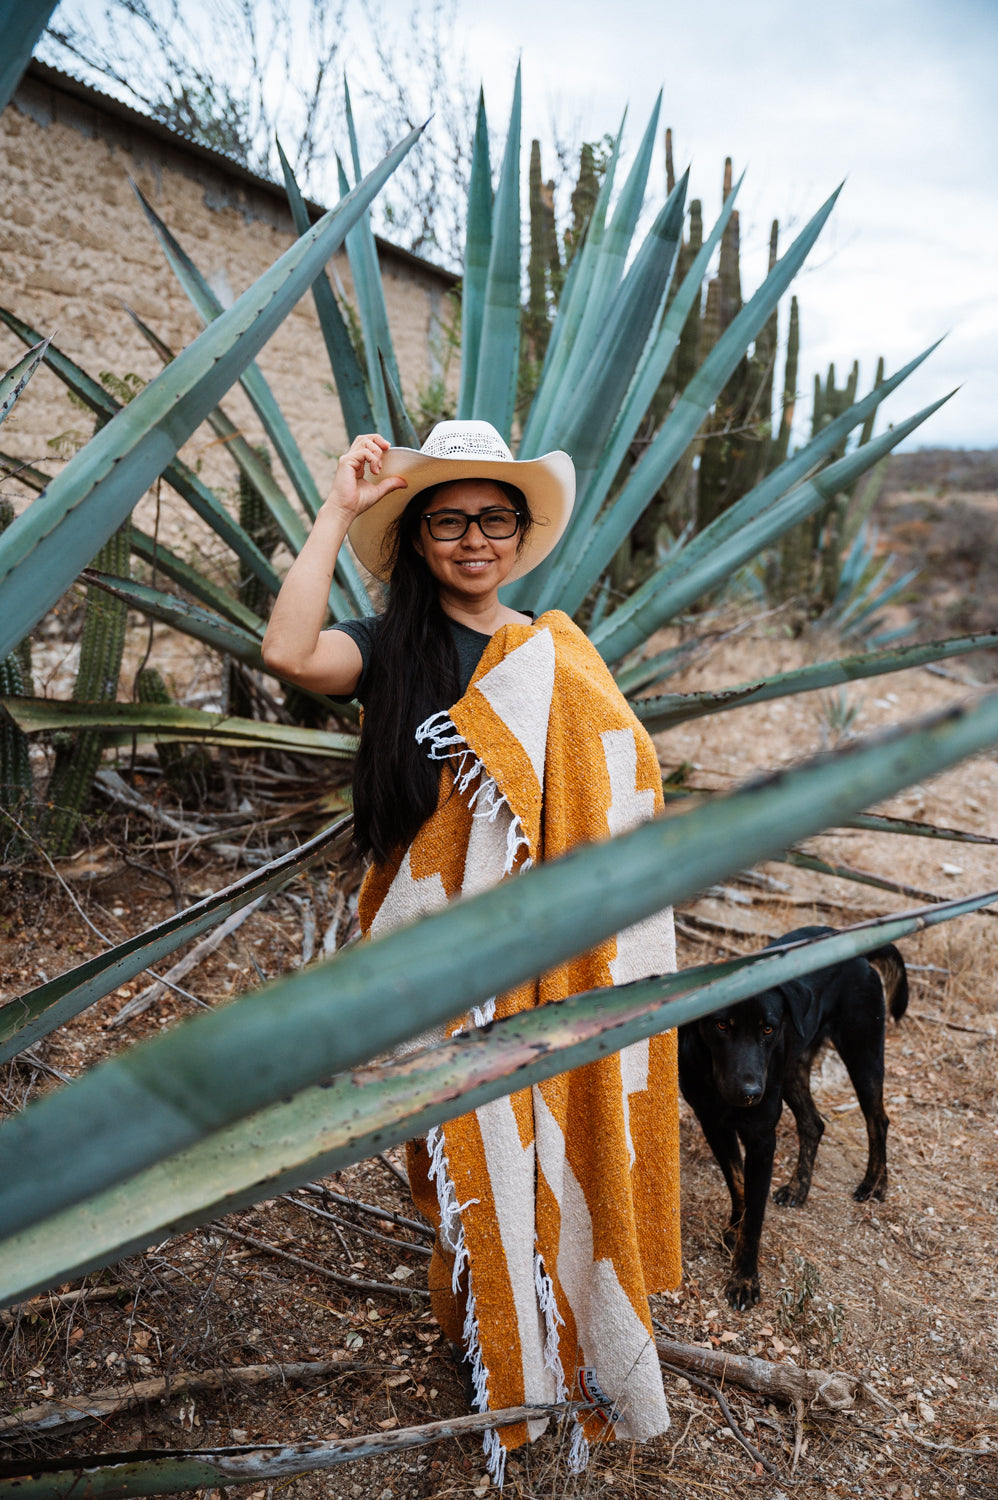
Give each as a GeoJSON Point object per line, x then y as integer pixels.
{"type": "Point", "coordinates": [471, 450]}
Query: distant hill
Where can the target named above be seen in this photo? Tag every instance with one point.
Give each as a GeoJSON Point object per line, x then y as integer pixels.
{"type": "Point", "coordinates": [968, 469]}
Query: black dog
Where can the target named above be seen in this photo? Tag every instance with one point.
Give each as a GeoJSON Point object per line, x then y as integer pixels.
{"type": "Point", "coordinates": [738, 1065]}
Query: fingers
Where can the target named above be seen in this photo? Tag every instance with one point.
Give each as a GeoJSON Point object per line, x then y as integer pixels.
{"type": "Point", "coordinates": [367, 448]}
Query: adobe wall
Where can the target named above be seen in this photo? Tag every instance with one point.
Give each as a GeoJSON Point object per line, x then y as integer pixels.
{"type": "Point", "coordinates": [75, 246]}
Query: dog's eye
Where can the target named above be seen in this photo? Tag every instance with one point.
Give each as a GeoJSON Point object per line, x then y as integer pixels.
{"type": "Point", "coordinates": [721, 1025]}
{"type": "Point", "coordinates": [767, 1031]}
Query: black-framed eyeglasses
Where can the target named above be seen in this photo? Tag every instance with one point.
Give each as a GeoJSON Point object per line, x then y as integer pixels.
{"type": "Point", "coordinates": [451, 525]}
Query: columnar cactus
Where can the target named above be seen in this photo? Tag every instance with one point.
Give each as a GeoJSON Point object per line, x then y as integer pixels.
{"type": "Point", "coordinates": [78, 756]}
{"type": "Point", "coordinates": [15, 762]}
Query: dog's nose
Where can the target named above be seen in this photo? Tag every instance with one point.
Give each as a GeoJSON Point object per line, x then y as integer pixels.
{"type": "Point", "coordinates": [751, 1094]}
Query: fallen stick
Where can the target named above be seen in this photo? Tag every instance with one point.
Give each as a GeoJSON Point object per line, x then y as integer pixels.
{"type": "Point", "coordinates": [104, 1403]}
{"type": "Point", "coordinates": [336, 1219]}
{"type": "Point", "coordinates": [177, 1471]}
{"type": "Point", "coordinates": [371, 1209]}
{"type": "Point", "coordinates": [786, 1382]}
{"type": "Point", "coordinates": [50, 1300]}
{"type": "Point", "coordinates": [398, 1288]}
{"type": "Point", "coordinates": [733, 1427]}
{"type": "Point", "coordinates": [183, 966]}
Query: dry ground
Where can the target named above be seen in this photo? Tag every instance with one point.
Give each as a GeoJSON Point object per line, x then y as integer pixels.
{"type": "Point", "coordinates": [904, 1292]}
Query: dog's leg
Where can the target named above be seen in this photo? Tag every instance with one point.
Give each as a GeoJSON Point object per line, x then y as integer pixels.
{"type": "Point", "coordinates": [723, 1141]}
{"type": "Point", "coordinates": [858, 1037]}
{"type": "Point", "coordinates": [866, 1070]}
{"type": "Point", "coordinates": [810, 1129]}
{"type": "Point", "coordinates": [742, 1290]}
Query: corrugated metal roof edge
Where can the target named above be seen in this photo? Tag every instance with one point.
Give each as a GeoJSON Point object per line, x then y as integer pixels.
{"type": "Point", "coordinates": [65, 83]}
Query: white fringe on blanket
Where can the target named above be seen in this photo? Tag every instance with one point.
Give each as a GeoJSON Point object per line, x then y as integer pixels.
{"type": "Point", "coordinates": [452, 1236]}
{"type": "Point", "coordinates": [443, 742]}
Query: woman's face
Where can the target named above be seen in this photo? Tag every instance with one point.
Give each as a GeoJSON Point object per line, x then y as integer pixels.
{"type": "Point", "coordinates": [474, 566]}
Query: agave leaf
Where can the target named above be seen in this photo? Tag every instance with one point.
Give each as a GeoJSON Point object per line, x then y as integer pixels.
{"type": "Point", "coordinates": [793, 469]}
{"type": "Point", "coordinates": [499, 348]}
{"type": "Point", "coordinates": [26, 1019]}
{"type": "Point", "coordinates": [803, 860]}
{"type": "Point", "coordinates": [220, 600]}
{"type": "Point", "coordinates": [678, 708]}
{"type": "Point", "coordinates": [880, 823]}
{"type": "Point", "coordinates": [571, 310]}
{"type": "Point", "coordinates": [659, 599]}
{"type": "Point", "coordinates": [478, 247]}
{"type": "Point", "coordinates": [322, 1129]}
{"type": "Point", "coordinates": [624, 337]}
{"type": "Point", "coordinates": [347, 373]}
{"type": "Point", "coordinates": [167, 1094]}
{"type": "Point", "coordinates": [187, 484]}
{"type": "Point", "coordinates": [342, 601]}
{"type": "Point", "coordinates": [12, 383]}
{"type": "Point", "coordinates": [653, 367]}
{"type": "Point", "coordinates": [193, 620]}
{"type": "Point", "coordinates": [547, 582]}
{"type": "Point", "coordinates": [680, 427]}
{"type": "Point", "coordinates": [402, 429]}
{"type": "Point", "coordinates": [21, 25]}
{"type": "Point", "coordinates": [251, 378]}
{"type": "Point", "coordinates": [601, 303]}
{"type": "Point", "coordinates": [155, 723]}
{"type": "Point", "coordinates": [43, 550]}
{"type": "Point", "coordinates": [374, 313]}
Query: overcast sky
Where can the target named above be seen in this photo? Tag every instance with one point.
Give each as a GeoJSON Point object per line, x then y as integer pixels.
{"type": "Point", "coordinates": [895, 96]}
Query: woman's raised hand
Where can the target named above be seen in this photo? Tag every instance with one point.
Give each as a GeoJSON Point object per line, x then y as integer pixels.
{"type": "Point", "coordinates": [352, 493]}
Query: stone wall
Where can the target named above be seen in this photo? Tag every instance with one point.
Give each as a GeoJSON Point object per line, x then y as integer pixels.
{"type": "Point", "coordinates": [75, 248]}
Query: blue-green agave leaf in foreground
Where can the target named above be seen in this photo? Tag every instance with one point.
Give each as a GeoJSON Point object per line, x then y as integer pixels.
{"type": "Point", "coordinates": [166, 1095]}
{"type": "Point", "coordinates": [27, 1018]}
{"type": "Point", "coordinates": [499, 347]}
{"type": "Point", "coordinates": [683, 422]}
{"type": "Point", "coordinates": [660, 598]}
{"type": "Point", "coordinates": [44, 549]}
{"type": "Point", "coordinates": [347, 374]}
{"type": "Point", "coordinates": [322, 1129]}
{"type": "Point", "coordinates": [477, 249]}
{"type": "Point", "coordinates": [12, 383]}
{"type": "Point", "coordinates": [670, 709]}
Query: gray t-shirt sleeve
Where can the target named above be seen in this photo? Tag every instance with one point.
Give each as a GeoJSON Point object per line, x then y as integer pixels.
{"type": "Point", "coordinates": [363, 632]}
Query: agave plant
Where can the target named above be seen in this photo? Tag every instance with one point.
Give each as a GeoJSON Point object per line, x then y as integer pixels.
{"type": "Point", "coordinates": [226, 1108]}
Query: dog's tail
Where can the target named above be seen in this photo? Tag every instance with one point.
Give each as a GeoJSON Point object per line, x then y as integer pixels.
{"type": "Point", "coordinates": [893, 976]}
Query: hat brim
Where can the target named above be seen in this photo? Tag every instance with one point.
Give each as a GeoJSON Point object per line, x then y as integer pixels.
{"type": "Point", "coordinates": [547, 482]}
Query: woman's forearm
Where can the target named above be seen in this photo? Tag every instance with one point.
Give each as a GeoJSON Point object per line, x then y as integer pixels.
{"type": "Point", "coordinates": [299, 612]}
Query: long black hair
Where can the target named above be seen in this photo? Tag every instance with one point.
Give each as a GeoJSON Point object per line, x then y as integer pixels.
{"type": "Point", "coordinates": [414, 672]}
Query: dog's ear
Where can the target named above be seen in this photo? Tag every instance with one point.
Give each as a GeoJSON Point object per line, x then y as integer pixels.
{"type": "Point", "coordinates": [800, 1007]}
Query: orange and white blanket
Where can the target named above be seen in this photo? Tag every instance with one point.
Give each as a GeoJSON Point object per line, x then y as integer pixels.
{"type": "Point", "coordinates": [557, 1207]}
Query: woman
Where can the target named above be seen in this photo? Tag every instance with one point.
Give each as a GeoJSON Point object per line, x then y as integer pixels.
{"type": "Point", "coordinates": [491, 740]}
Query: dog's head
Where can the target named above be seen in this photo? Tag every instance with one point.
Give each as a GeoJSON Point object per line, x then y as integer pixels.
{"type": "Point", "coordinates": [743, 1040]}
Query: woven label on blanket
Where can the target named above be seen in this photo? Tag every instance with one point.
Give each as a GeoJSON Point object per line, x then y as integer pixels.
{"type": "Point", "coordinates": [557, 1207]}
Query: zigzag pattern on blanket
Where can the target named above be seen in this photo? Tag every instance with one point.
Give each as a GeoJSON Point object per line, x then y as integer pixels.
{"type": "Point", "coordinates": [566, 1195]}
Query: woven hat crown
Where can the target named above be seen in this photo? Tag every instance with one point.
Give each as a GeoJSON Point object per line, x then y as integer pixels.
{"type": "Point", "coordinates": [471, 439]}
